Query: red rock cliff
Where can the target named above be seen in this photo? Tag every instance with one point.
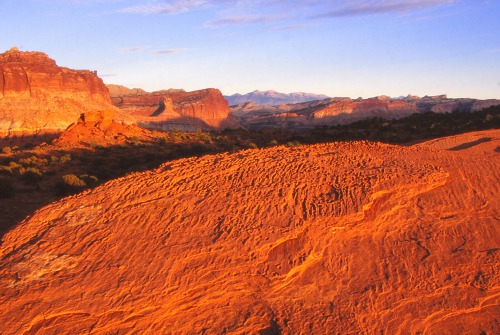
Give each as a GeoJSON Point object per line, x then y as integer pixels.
{"type": "Point", "coordinates": [37, 95]}
{"type": "Point", "coordinates": [205, 108]}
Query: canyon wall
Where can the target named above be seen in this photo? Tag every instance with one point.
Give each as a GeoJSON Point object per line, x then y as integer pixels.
{"type": "Point", "coordinates": [335, 111]}
{"type": "Point", "coordinates": [36, 95]}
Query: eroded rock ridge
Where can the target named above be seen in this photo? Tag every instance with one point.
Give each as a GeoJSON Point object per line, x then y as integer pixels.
{"type": "Point", "coordinates": [339, 238]}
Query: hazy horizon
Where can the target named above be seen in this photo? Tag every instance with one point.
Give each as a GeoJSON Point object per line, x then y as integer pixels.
{"type": "Point", "coordinates": [360, 48]}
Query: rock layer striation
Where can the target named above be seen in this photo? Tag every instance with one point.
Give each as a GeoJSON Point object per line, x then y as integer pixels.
{"type": "Point", "coordinates": [171, 109]}
{"type": "Point", "coordinates": [339, 238]}
{"type": "Point", "coordinates": [36, 95]}
{"type": "Point", "coordinates": [335, 111]}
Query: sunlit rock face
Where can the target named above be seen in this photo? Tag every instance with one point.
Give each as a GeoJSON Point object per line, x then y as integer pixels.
{"type": "Point", "coordinates": [36, 95]}
{"type": "Point", "coordinates": [171, 109]}
{"type": "Point", "coordinates": [340, 238]}
{"type": "Point", "coordinates": [335, 111]}
{"type": "Point", "coordinates": [100, 128]}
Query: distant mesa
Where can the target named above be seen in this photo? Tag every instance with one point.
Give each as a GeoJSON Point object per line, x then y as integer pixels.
{"type": "Point", "coordinates": [36, 95]}
{"type": "Point", "coordinates": [272, 98]}
{"type": "Point", "coordinates": [177, 109]}
{"type": "Point", "coordinates": [119, 90]}
{"type": "Point", "coordinates": [333, 111]}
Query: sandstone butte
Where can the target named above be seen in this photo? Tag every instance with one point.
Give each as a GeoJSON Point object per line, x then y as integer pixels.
{"type": "Point", "coordinates": [37, 96]}
{"type": "Point", "coordinates": [176, 109]}
{"type": "Point", "coordinates": [339, 238]}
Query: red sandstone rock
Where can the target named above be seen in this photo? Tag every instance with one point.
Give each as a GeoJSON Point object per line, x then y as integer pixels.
{"type": "Point", "coordinates": [100, 128]}
{"type": "Point", "coordinates": [345, 110]}
{"type": "Point", "coordinates": [173, 108]}
{"type": "Point", "coordinates": [339, 238]}
{"type": "Point", "coordinates": [119, 90]}
{"type": "Point", "coordinates": [37, 95]}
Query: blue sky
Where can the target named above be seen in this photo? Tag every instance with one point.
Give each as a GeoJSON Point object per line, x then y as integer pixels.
{"type": "Point", "coordinates": [338, 47]}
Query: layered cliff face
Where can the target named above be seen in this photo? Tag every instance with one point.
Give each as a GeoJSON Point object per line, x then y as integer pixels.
{"type": "Point", "coordinates": [36, 95]}
{"type": "Point", "coordinates": [178, 109]}
{"type": "Point", "coordinates": [339, 238]}
{"type": "Point", "coordinates": [345, 110]}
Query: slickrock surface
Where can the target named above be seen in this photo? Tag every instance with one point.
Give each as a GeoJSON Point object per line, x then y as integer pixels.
{"type": "Point", "coordinates": [36, 95]}
{"type": "Point", "coordinates": [171, 109]}
{"type": "Point", "coordinates": [340, 238]}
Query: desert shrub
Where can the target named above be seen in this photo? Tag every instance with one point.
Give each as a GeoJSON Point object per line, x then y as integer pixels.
{"type": "Point", "coordinates": [54, 160]}
{"type": "Point", "coordinates": [489, 118]}
{"type": "Point", "coordinates": [10, 168]}
{"type": "Point", "coordinates": [65, 159]}
{"type": "Point", "coordinates": [6, 188]}
{"type": "Point", "coordinates": [33, 161]}
{"type": "Point", "coordinates": [252, 145]}
{"type": "Point", "coordinates": [273, 143]}
{"type": "Point", "coordinates": [202, 136]}
{"type": "Point", "coordinates": [31, 176]}
{"type": "Point", "coordinates": [7, 150]}
{"type": "Point", "coordinates": [5, 170]}
{"type": "Point", "coordinates": [292, 144]}
{"type": "Point", "coordinates": [176, 135]}
{"type": "Point", "coordinates": [89, 180]}
{"type": "Point", "coordinates": [69, 184]}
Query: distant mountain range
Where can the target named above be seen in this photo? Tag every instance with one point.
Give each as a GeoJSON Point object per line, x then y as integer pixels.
{"type": "Point", "coordinates": [273, 98]}
{"type": "Point", "coordinates": [333, 111]}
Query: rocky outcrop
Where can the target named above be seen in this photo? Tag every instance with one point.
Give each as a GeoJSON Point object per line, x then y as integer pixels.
{"type": "Point", "coordinates": [338, 238]}
{"type": "Point", "coordinates": [100, 128]}
{"type": "Point", "coordinates": [335, 111]}
{"type": "Point", "coordinates": [170, 109]}
{"type": "Point", "coordinates": [36, 95]}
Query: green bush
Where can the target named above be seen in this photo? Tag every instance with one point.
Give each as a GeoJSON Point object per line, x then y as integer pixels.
{"type": "Point", "coordinates": [9, 169]}
{"type": "Point", "coordinates": [33, 161]}
{"type": "Point", "coordinates": [252, 145]}
{"type": "Point", "coordinates": [65, 159]}
{"type": "Point", "coordinates": [89, 180]}
{"type": "Point", "coordinates": [292, 144]}
{"type": "Point", "coordinates": [70, 184]}
{"type": "Point", "coordinates": [31, 176]}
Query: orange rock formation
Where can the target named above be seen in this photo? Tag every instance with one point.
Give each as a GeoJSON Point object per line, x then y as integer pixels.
{"type": "Point", "coordinates": [345, 110]}
{"type": "Point", "coordinates": [36, 95]}
{"type": "Point", "coordinates": [340, 238]}
{"type": "Point", "coordinates": [178, 109]}
{"type": "Point", "coordinates": [100, 128]}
